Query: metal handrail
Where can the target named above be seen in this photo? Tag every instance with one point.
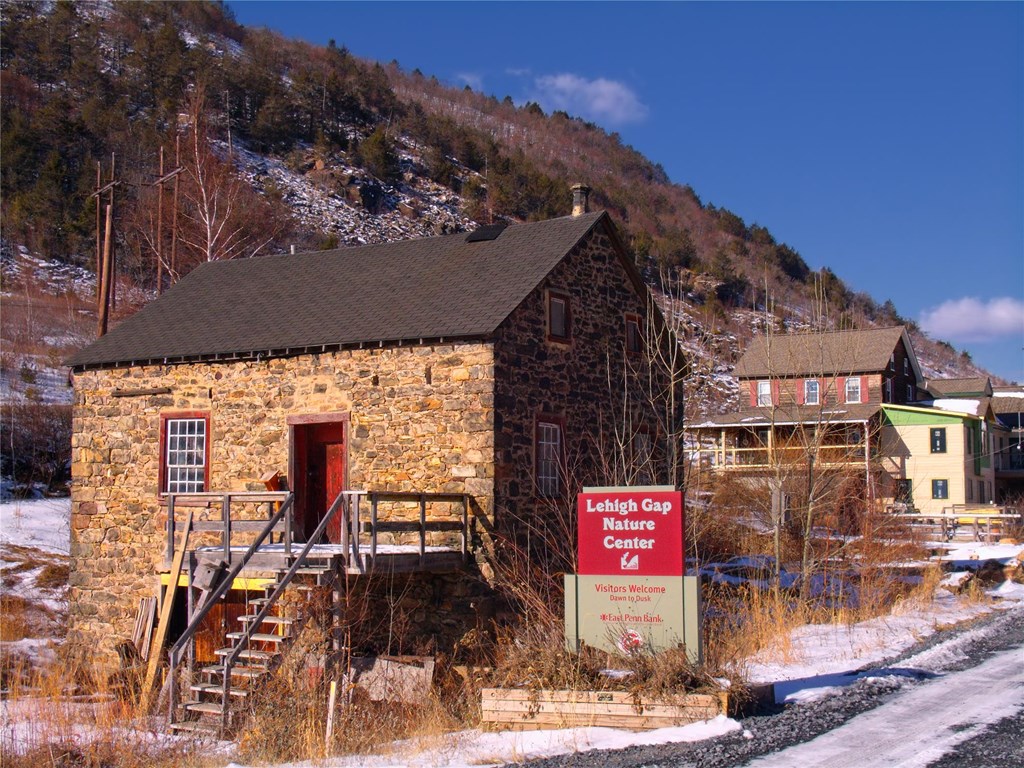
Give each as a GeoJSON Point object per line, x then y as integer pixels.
{"type": "Point", "coordinates": [250, 628]}
{"type": "Point", "coordinates": [174, 654]}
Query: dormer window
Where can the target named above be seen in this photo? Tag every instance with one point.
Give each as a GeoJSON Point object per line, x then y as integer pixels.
{"type": "Point", "coordinates": [559, 318]}
{"type": "Point", "coordinates": [764, 393]}
{"type": "Point", "coordinates": [853, 389]}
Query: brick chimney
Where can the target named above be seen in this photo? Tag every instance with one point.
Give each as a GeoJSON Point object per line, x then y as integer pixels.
{"type": "Point", "coordinates": [580, 199]}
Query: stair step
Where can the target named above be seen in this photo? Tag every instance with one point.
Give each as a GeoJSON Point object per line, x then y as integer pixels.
{"type": "Point", "coordinates": [237, 671]}
{"type": "Point", "coordinates": [206, 707]}
{"type": "Point", "coordinates": [218, 689]}
{"type": "Point", "coordinates": [268, 619]}
{"type": "Point", "coordinates": [197, 727]}
{"type": "Point", "coordinates": [260, 637]}
{"type": "Point", "coordinates": [249, 654]}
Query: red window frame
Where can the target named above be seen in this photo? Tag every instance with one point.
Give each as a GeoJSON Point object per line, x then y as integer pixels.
{"type": "Point", "coordinates": [543, 489]}
{"type": "Point", "coordinates": [634, 334]}
{"type": "Point", "coordinates": [172, 416]}
{"type": "Point", "coordinates": [563, 299]}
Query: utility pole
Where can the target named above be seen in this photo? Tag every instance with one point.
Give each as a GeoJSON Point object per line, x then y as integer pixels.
{"type": "Point", "coordinates": [105, 274]}
{"type": "Point", "coordinates": [107, 247]}
{"type": "Point", "coordinates": [159, 184]}
{"type": "Point", "coordinates": [174, 211]}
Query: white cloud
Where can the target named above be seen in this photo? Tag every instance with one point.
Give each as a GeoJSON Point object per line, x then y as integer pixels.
{"type": "Point", "coordinates": [970, 319]}
{"type": "Point", "coordinates": [517, 71]}
{"type": "Point", "coordinates": [472, 79]}
{"type": "Point", "coordinates": [600, 100]}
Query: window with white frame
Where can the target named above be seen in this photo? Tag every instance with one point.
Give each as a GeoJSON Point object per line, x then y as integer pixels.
{"type": "Point", "coordinates": [549, 458]}
{"type": "Point", "coordinates": [764, 393]}
{"type": "Point", "coordinates": [811, 393]}
{"type": "Point", "coordinates": [184, 460]}
{"type": "Point", "coordinates": [853, 389]}
{"type": "Point", "coordinates": [888, 390]}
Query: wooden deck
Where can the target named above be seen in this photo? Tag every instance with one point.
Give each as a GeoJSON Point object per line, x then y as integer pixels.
{"type": "Point", "coordinates": [228, 523]}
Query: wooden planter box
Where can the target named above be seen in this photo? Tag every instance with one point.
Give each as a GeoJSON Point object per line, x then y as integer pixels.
{"type": "Point", "coordinates": [504, 708]}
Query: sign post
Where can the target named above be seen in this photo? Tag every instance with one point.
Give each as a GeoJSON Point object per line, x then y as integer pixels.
{"type": "Point", "coordinates": [630, 592]}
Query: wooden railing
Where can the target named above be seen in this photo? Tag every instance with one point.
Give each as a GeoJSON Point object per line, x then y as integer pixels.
{"type": "Point", "coordinates": [983, 522]}
{"type": "Point", "coordinates": [763, 456]}
{"type": "Point", "coordinates": [227, 525]}
{"type": "Point", "coordinates": [280, 519]}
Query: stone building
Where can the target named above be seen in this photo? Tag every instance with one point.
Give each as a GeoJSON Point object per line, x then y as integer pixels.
{"type": "Point", "coordinates": [491, 364]}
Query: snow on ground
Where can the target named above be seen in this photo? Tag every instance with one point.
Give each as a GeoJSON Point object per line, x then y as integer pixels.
{"type": "Point", "coordinates": [477, 749]}
{"type": "Point", "coordinates": [40, 523]}
{"type": "Point", "coordinates": [809, 663]}
{"type": "Point", "coordinates": [918, 726]}
{"type": "Point", "coordinates": [816, 658]}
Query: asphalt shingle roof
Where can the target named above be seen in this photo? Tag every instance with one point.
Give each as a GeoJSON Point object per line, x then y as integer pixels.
{"type": "Point", "coordinates": [793, 414]}
{"type": "Point", "coordinates": [974, 385]}
{"type": "Point", "coordinates": [835, 352]}
{"type": "Point", "coordinates": [439, 287]}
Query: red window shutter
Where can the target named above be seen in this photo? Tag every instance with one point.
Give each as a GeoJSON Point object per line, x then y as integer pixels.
{"type": "Point", "coordinates": [840, 389]}
{"type": "Point", "coordinates": [800, 391]}
{"type": "Point", "coordinates": [864, 396]}
{"type": "Point", "coordinates": [753, 394]}
{"type": "Point", "coordinates": [775, 393]}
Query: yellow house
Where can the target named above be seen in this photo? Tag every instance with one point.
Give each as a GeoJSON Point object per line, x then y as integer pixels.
{"type": "Point", "coordinates": [940, 456]}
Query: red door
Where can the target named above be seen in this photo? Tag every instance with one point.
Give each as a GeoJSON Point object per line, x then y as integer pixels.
{"type": "Point", "coordinates": [319, 475]}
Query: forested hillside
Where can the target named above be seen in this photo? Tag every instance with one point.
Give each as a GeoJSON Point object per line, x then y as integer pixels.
{"type": "Point", "coordinates": [278, 143]}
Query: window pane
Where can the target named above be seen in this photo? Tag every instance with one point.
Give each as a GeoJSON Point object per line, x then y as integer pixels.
{"type": "Point", "coordinates": [811, 392]}
{"type": "Point", "coordinates": [185, 457]}
{"type": "Point", "coordinates": [764, 393]}
{"type": "Point", "coordinates": [549, 451]}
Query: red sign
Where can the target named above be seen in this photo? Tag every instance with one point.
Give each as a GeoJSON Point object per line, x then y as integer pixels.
{"type": "Point", "coordinates": [630, 533]}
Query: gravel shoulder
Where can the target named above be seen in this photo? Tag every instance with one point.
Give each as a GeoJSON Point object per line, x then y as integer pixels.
{"type": "Point", "coordinates": [951, 650]}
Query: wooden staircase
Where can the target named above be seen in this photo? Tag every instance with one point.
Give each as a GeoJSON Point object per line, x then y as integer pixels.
{"type": "Point", "coordinates": [255, 652]}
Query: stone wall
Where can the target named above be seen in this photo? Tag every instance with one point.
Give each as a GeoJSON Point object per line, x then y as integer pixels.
{"type": "Point", "coordinates": [420, 419]}
{"type": "Point", "coordinates": [590, 385]}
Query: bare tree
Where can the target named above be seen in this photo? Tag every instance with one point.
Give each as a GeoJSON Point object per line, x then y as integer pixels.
{"type": "Point", "coordinates": [222, 217]}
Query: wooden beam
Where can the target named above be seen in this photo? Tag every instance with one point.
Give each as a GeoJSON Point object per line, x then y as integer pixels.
{"type": "Point", "coordinates": [156, 652]}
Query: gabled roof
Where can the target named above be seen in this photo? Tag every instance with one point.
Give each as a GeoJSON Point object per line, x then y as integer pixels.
{"type": "Point", "coordinates": [430, 288]}
{"type": "Point", "coordinates": [1008, 399]}
{"type": "Point", "coordinates": [826, 353]}
{"type": "Point", "coordinates": [973, 386]}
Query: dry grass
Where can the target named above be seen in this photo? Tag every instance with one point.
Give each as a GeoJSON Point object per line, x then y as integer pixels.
{"type": "Point", "coordinates": [15, 623]}
{"type": "Point", "coordinates": [67, 715]}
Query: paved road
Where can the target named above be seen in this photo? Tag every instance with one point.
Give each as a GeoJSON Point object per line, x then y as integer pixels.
{"type": "Point", "coordinates": [955, 701]}
{"type": "Point", "coordinates": [918, 726]}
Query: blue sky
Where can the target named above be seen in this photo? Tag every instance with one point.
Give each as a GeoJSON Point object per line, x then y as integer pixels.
{"type": "Point", "coordinates": [883, 140]}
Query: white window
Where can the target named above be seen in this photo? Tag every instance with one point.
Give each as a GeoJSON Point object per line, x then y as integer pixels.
{"type": "Point", "coordinates": [888, 390]}
{"type": "Point", "coordinates": [811, 392]}
{"type": "Point", "coordinates": [549, 458]}
{"type": "Point", "coordinates": [764, 393]}
{"type": "Point", "coordinates": [906, 367]}
{"type": "Point", "coordinates": [185, 455]}
{"type": "Point", "coordinates": [853, 389]}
